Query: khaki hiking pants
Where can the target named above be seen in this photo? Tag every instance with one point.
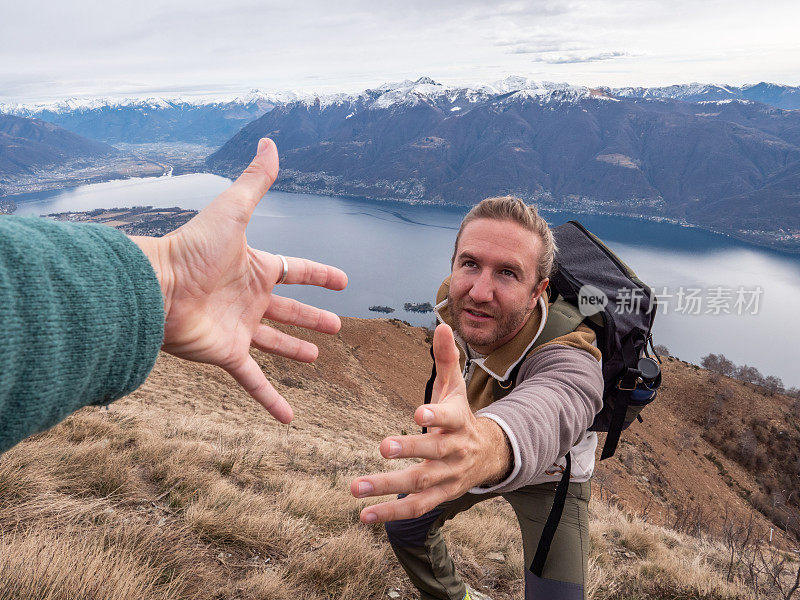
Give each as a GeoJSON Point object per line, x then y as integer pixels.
{"type": "Point", "coordinates": [420, 547]}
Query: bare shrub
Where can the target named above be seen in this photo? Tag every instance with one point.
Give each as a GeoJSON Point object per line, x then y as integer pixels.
{"type": "Point", "coordinates": [773, 385]}
{"type": "Point", "coordinates": [686, 439]}
{"type": "Point", "coordinates": [661, 350]}
{"type": "Point", "coordinates": [746, 447]}
{"type": "Point", "coordinates": [749, 375]}
{"type": "Point", "coordinates": [717, 407]}
{"type": "Point", "coordinates": [601, 484]}
{"type": "Point", "coordinates": [690, 518]}
{"type": "Point", "coordinates": [719, 364]}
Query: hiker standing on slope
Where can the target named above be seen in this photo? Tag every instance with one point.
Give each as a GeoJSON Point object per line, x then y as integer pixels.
{"type": "Point", "coordinates": [509, 414]}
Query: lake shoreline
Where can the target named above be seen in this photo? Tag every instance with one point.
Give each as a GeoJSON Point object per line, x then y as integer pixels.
{"type": "Point", "coordinates": [545, 208]}
{"type": "Point", "coordinates": [791, 251]}
{"type": "Point", "coordinates": [397, 253]}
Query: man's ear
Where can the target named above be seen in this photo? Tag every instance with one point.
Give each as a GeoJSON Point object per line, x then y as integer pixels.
{"type": "Point", "coordinates": [537, 292]}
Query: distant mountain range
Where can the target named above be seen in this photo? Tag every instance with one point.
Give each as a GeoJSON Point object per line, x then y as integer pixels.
{"type": "Point", "coordinates": [731, 165]}
{"type": "Point", "coordinates": [213, 120]}
{"type": "Point", "coordinates": [27, 145]}
{"type": "Point", "coordinates": [204, 121]}
{"type": "Point", "coordinates": [779, 96]}
{"type": "Point", "coordinates": [721, 157]}
{"type": "Point", "coordinates": [36, 155]}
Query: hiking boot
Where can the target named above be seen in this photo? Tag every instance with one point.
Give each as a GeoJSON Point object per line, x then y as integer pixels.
{"type": "Point", "coordinates": [472, 594]}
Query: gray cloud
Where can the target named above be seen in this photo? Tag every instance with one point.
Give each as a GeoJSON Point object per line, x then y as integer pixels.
{"type": "Point", "coordinates": [95, 47]}
{"type": "Point", "coordinates": [542, 46]}
{"type": "Point", "coordinates": [566, 59]}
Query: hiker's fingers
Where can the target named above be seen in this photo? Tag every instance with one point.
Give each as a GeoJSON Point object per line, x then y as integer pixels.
{"type": "Point", "coordinates": [446, 415]}
{"type": "Point", "coordinates": [273, 341]}
{"type": "Point", "coordinates": [429, 446]}
{"type": "Point", "coordinates": [292, 312]}
{"type": "Point", "coordinates": [445, 353]}
{"type": "Point", "coordinates": [303, 271]}
{"type": "Point", "coordinates": [249, 375]}
{"type": "Point", "coordinates": [409, 507]}
{"type": "Point", "coordinates": [405, 481]}
{"type": "Point", "coordinates": [259, 175]}
{"type": "Point", "coordinates": [244, 194]}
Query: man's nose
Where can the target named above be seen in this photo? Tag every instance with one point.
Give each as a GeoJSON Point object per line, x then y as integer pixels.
{"type": "Point", "coordinates": [482, 289]}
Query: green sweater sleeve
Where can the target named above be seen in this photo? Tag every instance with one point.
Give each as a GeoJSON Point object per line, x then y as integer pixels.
{"type": "Point", "coordinates": [81, 319]}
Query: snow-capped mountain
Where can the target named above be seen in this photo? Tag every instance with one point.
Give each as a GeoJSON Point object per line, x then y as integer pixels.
{"type": "Point", "coordinates": [722, 162]}
{"type": "Point", "coordinates": [202, 120]}
{"type": "Point", "coordinates": [211, 120]}
{"type": "Point", "coordinates": [449, 97]}
{"type": "Point", "coordinates": [780, 96]}
{"type": "Point", "coordinates": [254, 96]}
{"type": "Point", "coordinates": [427, 91]}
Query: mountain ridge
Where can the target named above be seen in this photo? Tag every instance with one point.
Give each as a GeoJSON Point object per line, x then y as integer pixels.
{"type": "Point", "coordinates": [714, 164]}
{"type": "Point", "coordinates": [212, 119]}
{"type": "Point", "coordinates": [38, 155]}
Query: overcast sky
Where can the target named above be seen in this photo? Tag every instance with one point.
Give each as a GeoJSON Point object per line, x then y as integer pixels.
{"type": "Point", "coordinates": [51, 50]}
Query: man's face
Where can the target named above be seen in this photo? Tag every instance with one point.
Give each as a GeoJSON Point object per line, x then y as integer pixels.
{"type": "Point", "coordinates": [493, 288]}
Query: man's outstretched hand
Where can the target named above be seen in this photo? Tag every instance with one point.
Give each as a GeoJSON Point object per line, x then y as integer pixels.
{"type": "Point", "coordinates": [217, 288]}
{"type": "Point", "coordinates": [460, 451]}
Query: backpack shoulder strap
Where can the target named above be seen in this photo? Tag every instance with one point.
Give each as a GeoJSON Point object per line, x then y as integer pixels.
{"type": "Point", "coordinates": [562, 318]}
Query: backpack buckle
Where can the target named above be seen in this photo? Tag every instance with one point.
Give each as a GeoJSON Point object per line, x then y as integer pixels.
{"type": "Point", "coordinates": [629, 380]}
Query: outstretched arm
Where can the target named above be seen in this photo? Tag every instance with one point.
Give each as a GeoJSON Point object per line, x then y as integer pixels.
{"type": "Point", "coordinates": [459, 451]}
{"type": "Point", "coordinates": [217, 288]}
{"type": "Point", "coordinates": [82, 312]}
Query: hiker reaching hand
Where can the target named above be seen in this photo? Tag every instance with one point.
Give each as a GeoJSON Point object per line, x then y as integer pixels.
{"type": "Point", "coordinates": [85, 309]}
{"type": "Point", "coordinates": [509, 412]}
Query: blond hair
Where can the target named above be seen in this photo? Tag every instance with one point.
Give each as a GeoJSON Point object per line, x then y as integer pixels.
{"type": "Point", "coordinates": [510, 208]}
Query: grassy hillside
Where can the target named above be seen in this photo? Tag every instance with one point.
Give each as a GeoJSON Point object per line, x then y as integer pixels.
{"type": "Point", "coordinates": [187, 489]}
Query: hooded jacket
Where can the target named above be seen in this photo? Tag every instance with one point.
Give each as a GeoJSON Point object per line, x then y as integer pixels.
{"type": "Point", "coordinates": [558, 392]}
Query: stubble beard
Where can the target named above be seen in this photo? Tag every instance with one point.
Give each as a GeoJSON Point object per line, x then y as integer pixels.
{"type": "Point", "coordinates": [497, 329]}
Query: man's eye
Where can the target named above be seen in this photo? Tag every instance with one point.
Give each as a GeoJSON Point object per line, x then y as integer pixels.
{"type": "Point", "coordinates": [469, 264]}
{"type": "Point", "coordinates": [508, 273]}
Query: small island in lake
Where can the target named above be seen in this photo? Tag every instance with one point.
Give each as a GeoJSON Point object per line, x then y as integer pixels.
{"type": "Point", "coordinates": [139, 220]}
{"type": "Point", "coordinates": [418, 307]}
{"type": "Point", "coordinates": [381, 309]}
{"type": "Point", "coordinates": [7, 207]}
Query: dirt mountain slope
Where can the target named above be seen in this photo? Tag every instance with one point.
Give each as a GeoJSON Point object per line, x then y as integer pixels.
{"type": "Point", "coordinates": [188, 489]}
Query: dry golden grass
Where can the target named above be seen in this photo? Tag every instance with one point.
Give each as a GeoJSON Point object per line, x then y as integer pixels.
{"type": "Point", "coordinates": [45, 566]}
{"type": "Point", "coordinates": [187, 489]}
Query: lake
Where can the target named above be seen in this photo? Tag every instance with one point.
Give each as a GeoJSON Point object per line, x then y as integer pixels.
{"type": "Point", "coordinates": [719, 295]}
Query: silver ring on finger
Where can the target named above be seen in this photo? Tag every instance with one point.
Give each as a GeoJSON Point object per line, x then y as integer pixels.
{"type": "Point", "coordinates": [285, 269]}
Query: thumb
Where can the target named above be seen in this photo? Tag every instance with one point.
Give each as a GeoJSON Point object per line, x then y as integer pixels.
{"type": "Point", "coordinates": [445, 353]}
{"type": "Point", "coordinates": [256, 179]}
